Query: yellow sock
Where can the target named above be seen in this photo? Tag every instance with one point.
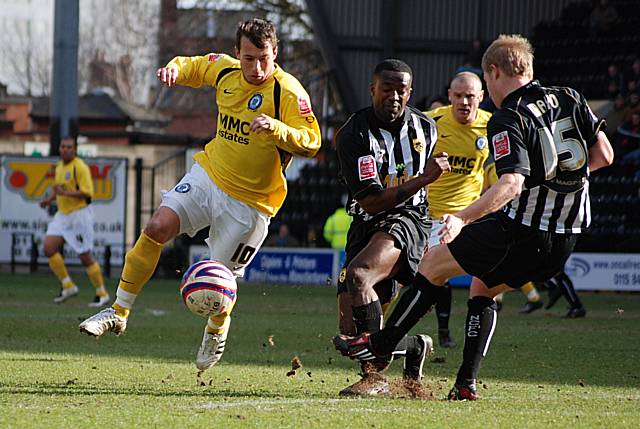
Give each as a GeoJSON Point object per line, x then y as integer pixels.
{"type": "Point", "coordinates": [95, 277]}
{"type": "Point", "coordinates": [219, 323]}
{"type": "Point", "coordinates": [121, 311]}
{"type": "Point", "coordinates": [56, 262]}
{"type": "Point", "coordinates": [530, 291]}
{"type": "Point", "coordinates": [139, 265]}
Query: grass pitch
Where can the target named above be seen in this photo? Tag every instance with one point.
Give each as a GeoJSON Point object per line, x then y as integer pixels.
{"type": "Point", "coordinates": [541, 371]}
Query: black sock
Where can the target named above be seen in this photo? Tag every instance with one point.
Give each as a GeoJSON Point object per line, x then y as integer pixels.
{"type": "Point", "coordinates": [568, 290]}
{"type": "Point", "coordinates": [408, 346]}
{"type": "Point", "coordinates": [415, 301]}
{"type": "Point", "coordinates": [443, 307]}
{"type": "Point", "coordinates": [479, 327]}
{"type": "Point", "coordinates": [368, 317]}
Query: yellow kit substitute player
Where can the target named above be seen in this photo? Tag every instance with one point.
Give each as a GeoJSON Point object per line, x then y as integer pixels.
{"type": "Point", "coordinates": [462, 133]}
{"type": "Point", "coordinates": [237, 183]}
{"type": "Point", "coordinates": [72, 223]}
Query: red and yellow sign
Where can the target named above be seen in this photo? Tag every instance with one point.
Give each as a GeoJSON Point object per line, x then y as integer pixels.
{"type": "Point", "coordinates": [31, 179]}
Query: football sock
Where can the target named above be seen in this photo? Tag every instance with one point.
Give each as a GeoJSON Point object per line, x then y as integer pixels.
{"type": "Point", "coordinates": [479, 327]}
{"type": "Point", "coordinates": [56, 263]}
{"type": "Point", "coordinates": [95, 277]}
{"type": "Point", "coordinates": [529, 290]}
{"type": "Point", "coordinates": [569, 292]}
{"type": "Point", "coordinates": [219, 323]}
{"type": "Point", "coordinates": [499, 297]}
{"type": "Point", "coordinates": [139, 265]}
{"type": "Point", "coordinates": [443, 306]}
{"type": "Point", "coordinates": [415, 301]}
{"type": "Point", "coordinates": [368, 317]}
{"type": "Point", "coordinates": [408, 346]}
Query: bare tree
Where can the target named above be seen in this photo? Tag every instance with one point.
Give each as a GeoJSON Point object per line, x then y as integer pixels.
{"type": "Point", "coordinates": [27, 61]}
{"type": "Point", "coordinates": [118, 46]}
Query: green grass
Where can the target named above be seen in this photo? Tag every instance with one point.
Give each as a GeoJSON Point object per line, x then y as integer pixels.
{"type": "Point", "coordinates": [541, 371]}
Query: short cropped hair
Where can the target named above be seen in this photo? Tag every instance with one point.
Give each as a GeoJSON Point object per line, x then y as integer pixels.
{"type": "Point", "coordinates": [392, 64]}
{"type": "Point", "coordinates": [513, 54]}
{"type": "Point", "coordinates": [258, 31]}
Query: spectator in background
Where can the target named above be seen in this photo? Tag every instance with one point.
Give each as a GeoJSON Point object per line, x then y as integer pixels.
{"type": "Point", "coordinates": [436, 102]}
{"type": "Point", "coordinates": [633, 74]}
{"type": "Point", "coordinates": [615, 117]}
{"type": "Point", "coordinates": [602, 18]}
{"type": "Point", "coordinates": [628, 135]}
{"type": "Point", "coordinates": [615, 81]}
{"type": "Point", "coordinates": [283, 238]}
{"type": "Point", "coordinates": [336, 228]}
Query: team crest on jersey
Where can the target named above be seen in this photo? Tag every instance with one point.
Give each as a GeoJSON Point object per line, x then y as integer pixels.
{"type": "Point", "coordinates": [183, 188]}
{"type": "Point", "coordinates": [255, 101]}
{"type": "Point", "coordinates": [343, 275]}
{"type": "Point", "coordinates": [67, 175]}
{"type": "Point", "coordinates": [501, 145]}
{"type": "Point", "coordinates": [366, 167]}
{"type": "Point", "coordinates": [481, 142]}
{"type": "Point", "coordinates": [418, 145]}
{"type": "Point", "coordinates": [212, 58]}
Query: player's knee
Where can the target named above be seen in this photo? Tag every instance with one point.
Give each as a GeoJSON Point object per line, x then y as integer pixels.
{"type": "Point", "coordinates": [50, 249]}
{"type": "Point", "coordinates": [162, 227]}
{"type": "Point", "coordinates": [86, 259]}
{"type": "Point", "coordinates": [357, 279]}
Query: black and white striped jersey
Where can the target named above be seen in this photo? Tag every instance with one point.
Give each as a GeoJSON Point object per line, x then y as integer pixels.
{"type": "Point", "coordinates": [373, 156]}
{"type": "Point", "coordinates": [545, 133]}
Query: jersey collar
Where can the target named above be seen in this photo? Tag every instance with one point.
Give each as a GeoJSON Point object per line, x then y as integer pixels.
{"type": "Point", "coordinates": [514, 95]}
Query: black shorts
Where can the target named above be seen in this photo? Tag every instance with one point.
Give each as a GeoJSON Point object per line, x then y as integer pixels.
{"type": "Point", "coordinates": [409, 228]}
{"type": "Point", "coordinates": [497, 250]}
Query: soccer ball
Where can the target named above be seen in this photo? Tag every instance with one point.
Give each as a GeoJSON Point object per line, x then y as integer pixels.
{"type": "Point", "coordinates": [208, 288]}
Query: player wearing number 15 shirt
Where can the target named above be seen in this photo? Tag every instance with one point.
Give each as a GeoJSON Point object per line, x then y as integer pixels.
{"type": "Point", "coordinates": [545, 141]}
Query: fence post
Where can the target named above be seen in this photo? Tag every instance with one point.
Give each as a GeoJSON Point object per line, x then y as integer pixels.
{"type": "Point", "coordinates": [33, 262]}
{"type": "Point", "coordinates": [13, 252]}
{"type": "Point", "coordinates": [138, 201]}
{"type": "Point", "coordinates": [107, 261]}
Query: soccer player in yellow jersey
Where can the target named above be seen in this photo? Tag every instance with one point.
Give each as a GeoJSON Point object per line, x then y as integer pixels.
{"type": "Point", "coordinates": [237, 183]}
{"type": "Point", "coordinates": [462, 134]}
{"type": "Point", "coordinates": [72, 223]}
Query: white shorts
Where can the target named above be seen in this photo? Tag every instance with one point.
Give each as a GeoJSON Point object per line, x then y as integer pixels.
{"type": "Point", "coordinates": [236, 230]}
{"type": "Point", "coordinates": [76, 228]}
{"type": "Point", "coordinates": [434, 239]}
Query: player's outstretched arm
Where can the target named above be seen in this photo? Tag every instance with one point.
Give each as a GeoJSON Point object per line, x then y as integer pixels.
{"type": "Point", "coordinates": [167, 75]}
{"type": "Point", "coordinates": [388, 198]}
{"type": "Point", "coordinates": [507, 188]}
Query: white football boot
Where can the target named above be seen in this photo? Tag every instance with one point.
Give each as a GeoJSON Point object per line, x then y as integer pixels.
{"type": "Point", "coordinates": [212, 347]}
{"type": "Point", "coordinates": [65, 294]}
{"type": "Point", "coordinates": [104, 321]}
{"type": "Point", "coordinates": [99, 301]}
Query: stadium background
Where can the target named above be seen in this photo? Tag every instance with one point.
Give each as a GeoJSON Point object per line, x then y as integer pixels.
{"type": "Point", "coordinates": [332, 46]}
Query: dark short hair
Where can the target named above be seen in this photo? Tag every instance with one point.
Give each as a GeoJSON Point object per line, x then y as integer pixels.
{"type": "Point", "coordinates": [392, 64]}
{"type": "Point", "coordinates": [258, 31]}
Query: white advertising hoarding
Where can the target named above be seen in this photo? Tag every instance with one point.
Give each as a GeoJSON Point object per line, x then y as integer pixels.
{"type": "Point", "coordinates": [604, 271]}
{"type": "Point", "coordinates": [24, 183]}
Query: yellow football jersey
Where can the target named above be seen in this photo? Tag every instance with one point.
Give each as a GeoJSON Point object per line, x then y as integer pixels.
{"type": "Point", "coordinates": [74, 176]}
{"type": "Point", "coordinates": [468, 150]}
{"type": "Point", "coordinates": [250, 166]}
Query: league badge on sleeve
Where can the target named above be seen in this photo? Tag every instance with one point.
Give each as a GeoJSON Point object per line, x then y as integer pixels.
{"type": "Point", "coordinates": [501, 145]}
{"type": "Point", "coordinates": [212, 58]}
{"type": "Point", "coordinates": [366, 167]}
{"type": "Point", "coordinates": [303, 106]}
